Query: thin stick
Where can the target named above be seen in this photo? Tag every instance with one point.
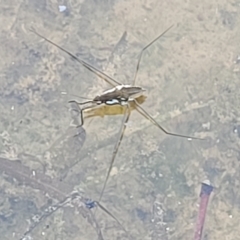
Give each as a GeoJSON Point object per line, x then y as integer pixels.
{"type": "Point", "coordinates": [141, 53]}
{"type": "Point", "coordinates": [206, 190]}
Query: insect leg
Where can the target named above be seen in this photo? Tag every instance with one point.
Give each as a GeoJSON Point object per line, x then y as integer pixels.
{"type": "Point", "coordinates": [147, 116]}
{"type": "Point", "coordinates": [123, 127]}
{"type": "Point", "coordinates": [113, 217]}
{"type": "Point", "coordinates": [96, 71]}
{"type": "Point", "coordinates": [140, 55]}
{"type": "Point", "coordinates": [82, 109]}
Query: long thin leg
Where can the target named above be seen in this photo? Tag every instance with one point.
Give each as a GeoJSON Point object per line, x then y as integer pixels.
{"type": "Point", "coordinates": [146, 115]}
{"type": "Point", "coordinates": [113, 217]}
{"type": "Point", "coordinates": [140, 55]}
{"type": "Point", "coordinates": [122, 130]}
{"type": "Point", "coordinates": [99, 73]}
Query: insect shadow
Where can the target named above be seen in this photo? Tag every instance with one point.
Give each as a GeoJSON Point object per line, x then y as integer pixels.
{"type": "Point", "coordinates": [119, 94]}
{"type": "Point", "coordinates": [84, 206]}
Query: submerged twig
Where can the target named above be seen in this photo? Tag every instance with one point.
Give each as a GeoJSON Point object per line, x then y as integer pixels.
{"type": "Point", "coordinates": [206, 190]}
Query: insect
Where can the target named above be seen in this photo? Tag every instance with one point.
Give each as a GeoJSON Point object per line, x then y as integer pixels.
{"type": "Point", "coordinates": [119, 94]}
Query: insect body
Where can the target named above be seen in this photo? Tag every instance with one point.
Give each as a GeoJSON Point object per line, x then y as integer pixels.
{"type": "Point", "coordinates": [118, 95]}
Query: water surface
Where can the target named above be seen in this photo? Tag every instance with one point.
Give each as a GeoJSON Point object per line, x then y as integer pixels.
{"type": "Point", "coordinates": [192, 79]}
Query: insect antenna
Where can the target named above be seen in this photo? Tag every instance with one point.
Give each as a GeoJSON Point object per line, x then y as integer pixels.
{"type": "Point", "coordinates": [141, 53]}
{"type": "Point", "coordinates": [85, 98]}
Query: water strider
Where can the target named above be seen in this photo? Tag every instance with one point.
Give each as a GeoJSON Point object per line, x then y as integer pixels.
{"type": "Point", "coordinates": [119, 94]}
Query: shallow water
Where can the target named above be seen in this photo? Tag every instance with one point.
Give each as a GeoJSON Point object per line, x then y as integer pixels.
{"type": "Point", "coordinates": [192, 79]}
